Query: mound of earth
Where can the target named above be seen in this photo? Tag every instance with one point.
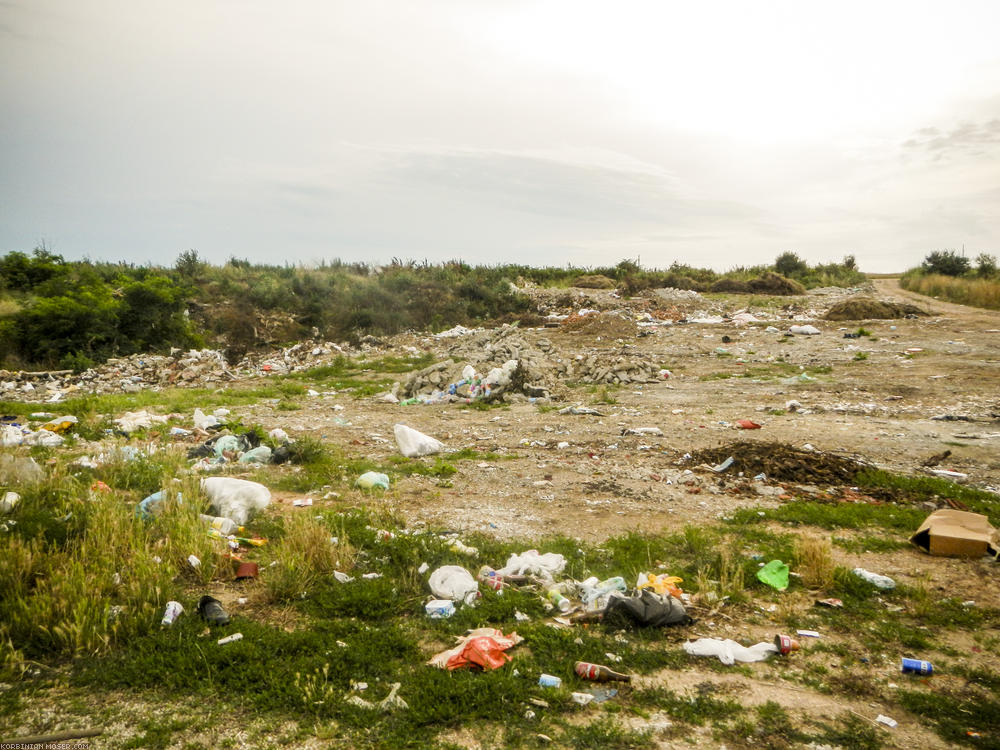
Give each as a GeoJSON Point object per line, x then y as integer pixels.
{"type": "Point", "coordinates": [772, 283]}
{"type": "Point", "coordinates": [730, 286]}
{"type": "Point", "coordinates": [782, 462]}
{"type": "Point", "coordinates": [608, 324]}
{"type": "Point", "coordinates": [866, 308]}
{"type": "Point", "coordinates": [593, 281]}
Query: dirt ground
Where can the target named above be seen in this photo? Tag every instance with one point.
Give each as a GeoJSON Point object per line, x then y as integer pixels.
{"type": "Point", "coordinates": [880, 410]}
{"type": "Point", "coordinates": [912, 389]}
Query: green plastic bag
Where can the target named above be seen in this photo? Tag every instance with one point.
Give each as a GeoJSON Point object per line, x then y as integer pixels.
{"type": "Point", "coordinates": [774, 574]}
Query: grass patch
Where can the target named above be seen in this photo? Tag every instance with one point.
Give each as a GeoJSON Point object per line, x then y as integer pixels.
{"type": "Point", "coordinates": [836, 516]}
{"type": "Point", "coordinates": [983, 293]}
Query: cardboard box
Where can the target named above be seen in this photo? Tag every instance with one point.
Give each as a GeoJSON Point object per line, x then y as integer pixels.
{"type": "Point", "coordinates": [956, 533]}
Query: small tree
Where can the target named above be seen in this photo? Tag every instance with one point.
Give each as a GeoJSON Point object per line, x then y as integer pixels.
{"type": "Point", "coordinates": [850, 263]}
{"type": "Point", "coordinates": [946, 263]}
{"type": "Point", "coordinates": [789, 264]}
{"type": "Point", "coordinates": [189, 265]}
{"type": "Point", "coordinates": [986, 265]}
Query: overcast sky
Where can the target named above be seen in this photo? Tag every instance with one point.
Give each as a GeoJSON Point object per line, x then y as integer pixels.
{"type": "Point", "coordinates": [547, 133]}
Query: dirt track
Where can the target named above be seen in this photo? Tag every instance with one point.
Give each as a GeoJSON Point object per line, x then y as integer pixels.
{"type": "Point", "coordinates": [876, 403]}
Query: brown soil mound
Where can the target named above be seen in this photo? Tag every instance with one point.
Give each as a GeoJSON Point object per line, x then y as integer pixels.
{"type": "Point", "coordinates": [732, 286]}
{"type": "Point", "coordinates": [782, 462]}
{"type": "Point", "coordinates": [866, 308]}
{"type": "Point", "coordinates": [593, 281]}
{"type": "Point", "coordinates": [772, 283]}
{"type": "Point", "coordinates": [608, 324]}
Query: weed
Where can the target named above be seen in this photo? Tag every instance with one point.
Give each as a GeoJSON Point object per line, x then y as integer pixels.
{"type": "Point", "coordinates": [814, 562]}
{"type": "Point", "coordinates": [306, 553]}
{"type": "Point", "coordinates": [605, 734]}
{"type": "Point", "coordinates": [860, 356]}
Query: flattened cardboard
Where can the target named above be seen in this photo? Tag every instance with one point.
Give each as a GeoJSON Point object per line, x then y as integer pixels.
{"type": "Point", "coordinates": [956, 533]}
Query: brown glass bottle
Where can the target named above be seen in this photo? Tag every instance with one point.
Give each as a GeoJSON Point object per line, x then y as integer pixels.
{"type": "Point", "coordinates": [599, 673]}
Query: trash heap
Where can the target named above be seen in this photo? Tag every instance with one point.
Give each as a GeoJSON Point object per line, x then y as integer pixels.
{"type": "Point", "coordinates": [142, 371]}
{"type": "Point", "coordinates": [501, 364]}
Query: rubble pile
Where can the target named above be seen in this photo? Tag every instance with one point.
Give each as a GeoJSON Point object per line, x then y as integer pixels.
{"type": "Point", "coordinates": [141, 371]}
{"type": "Point", "coordinates": [529, 367]}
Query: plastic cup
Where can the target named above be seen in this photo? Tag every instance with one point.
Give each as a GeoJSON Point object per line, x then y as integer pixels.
{"type": "Point", "coordinates": [785, 644]}
{"type": "Point", "coordinates": [171, 613]}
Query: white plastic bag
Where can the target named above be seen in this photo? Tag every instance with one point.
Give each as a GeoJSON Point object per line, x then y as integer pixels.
{"type": "Point", "coordinates": [730, 651]}
{"type": "Point", "coordinates": [235, 498]}
{"type": "Point", "coordinates": [454, 582]}
{"type": "Point", "coordinates": [413, 443]}
{"type": "Point", "coordinates": [203, 421]}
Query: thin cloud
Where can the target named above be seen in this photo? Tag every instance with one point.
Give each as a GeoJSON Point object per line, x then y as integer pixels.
{"type": "Point", "coordinates": [965, 139]}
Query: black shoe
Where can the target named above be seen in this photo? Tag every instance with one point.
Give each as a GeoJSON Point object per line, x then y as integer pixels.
{"type": "Point", "coordinates": [211, 611]}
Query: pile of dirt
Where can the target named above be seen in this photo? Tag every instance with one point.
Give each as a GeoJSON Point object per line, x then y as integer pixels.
{"type": "Point", "coordinates": [615, 325]}
{"type": "Point", "coordinates": [866, 308]}
{"type": "Point", "coordinates": [772, 283]}
{"type": "Point", "coordinates": [593, 281]}
{"type": "Point", "coordinates": [782, 462]}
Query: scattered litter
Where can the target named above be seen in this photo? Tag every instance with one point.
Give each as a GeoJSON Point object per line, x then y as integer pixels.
{"type": "Point", "coordinates": [582, 698]}
{"type": "Point", "coordinates": [807, 633]}
{"type": "Point", "coordinates": [882, 719]}
{"type": "Point", "coordinates": [549, 680]}
{"type": "Point", "coordinates": [230, 639]}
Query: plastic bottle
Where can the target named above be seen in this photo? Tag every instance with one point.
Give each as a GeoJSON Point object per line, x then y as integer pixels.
{"type": "Point", "coordinates": [599, 673]}
{"type": "Point", "coordinates": [595, 594]}
{"type": "Point", "coordinates": [561, 602]}
{"type": "Point", "coordinates": [224, 526]}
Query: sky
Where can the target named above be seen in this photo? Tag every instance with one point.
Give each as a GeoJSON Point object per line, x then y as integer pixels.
{"type": "Point", "coordinates": [717, 134]}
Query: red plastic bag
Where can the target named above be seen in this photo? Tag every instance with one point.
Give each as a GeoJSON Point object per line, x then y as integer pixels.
{"type": "Point", "coordinates": [747, 424]}
{"type": "Point", "coordinates": [483, 647]}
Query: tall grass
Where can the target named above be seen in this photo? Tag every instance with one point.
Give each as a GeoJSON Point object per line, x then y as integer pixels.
{"type": "Point", "coordinates": [964, 291]}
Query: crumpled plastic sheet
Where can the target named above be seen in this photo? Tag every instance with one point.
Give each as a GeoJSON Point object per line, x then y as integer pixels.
{"type": "Point", "coordinates": [729, 651]}
{"type": "Point", "coordinates": [532, 563]}
{"type": "Point", "coordinates": [483, 647]}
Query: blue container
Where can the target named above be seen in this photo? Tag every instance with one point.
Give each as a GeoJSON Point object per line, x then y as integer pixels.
{"type": "Point", "coordinates": [549, 680]}
{"type": "Point", "coordinates": [916, 666]}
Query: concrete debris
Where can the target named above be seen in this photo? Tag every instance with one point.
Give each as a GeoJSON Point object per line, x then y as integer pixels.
{"type": "Point", "coordinates": [516, 365]}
